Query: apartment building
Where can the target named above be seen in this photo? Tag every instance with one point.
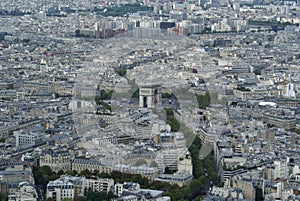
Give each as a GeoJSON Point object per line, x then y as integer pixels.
{"type": "Point", "coordinates": [60, 189]}
{"type": "Point", "coordinates": [57, 159]}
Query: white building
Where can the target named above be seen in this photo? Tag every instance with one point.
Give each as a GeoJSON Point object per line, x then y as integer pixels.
{"type": "Point", "coordinates": [234, 193]}
{"type": "Point", "coordinates": [101, 184]}
{"type": "Point", "coordinates": [118, 189]}
{"type": "Point", "coordinates": [281, 169]}
{"type": "Point", "coordinates": [23, 138]}
{"type": "Point", "coordinates": [296, 169]}
{"type": "Point", "coordinates": [289, 91]}
{"type": "Point", "coordinates": [145, 171]}
{"type": "Point", "coordinates": [78, 183]}
{"type": "Point", "coordinates": [60, 189]}
{"type": "Point", "coordinates": [167, 159]}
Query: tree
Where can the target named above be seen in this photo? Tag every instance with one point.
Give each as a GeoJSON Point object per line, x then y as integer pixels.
{"type": "Point", "coordinates": [45, 170]}
{"type": "Point", "coordinates": [122, 72]}
{"type": "Point", "coordinates": [153, 164]}
{"type": "Point", "coordinates": [60, 172]}
{"type": "Point", "coordinates": [197, 142]}
{"type": "Point", "coordinates": [175, 125]}
{"type": "Point", "coordinates": [196, 186]}
{"type": "Point", "coordinates": [171, 120]}
{"type": "Point", "coordinates": [98, 196]}
{"type": "Point", "coordinates": [203, 100]}
{"type": "Point", "coordinates": [95, 172]}
{"type": "Point", "coordinates": [198, 198]}
{"type": "Point", "coordinates": [168, 95]}
{"type": "Point", "coordinates": [169, 112]}
{"type": "Point", "coordinates": [104, 175]}
{"type": "Point", "coordinates": [43, 175]}
{"type": "Point", "coordinates": [116, 174]}
{"type": "Point", "coordinates": [136, 94]}
{"type": "Point", "coordinates": [197, 168]}
{"type": "Point", "coordinates": [78, 198]}
{"type": "Point", "coordinates": [258, 194]}
{"type": "Point", "coordinates": [167, 194]}
{"type": "Point", "coordinates": [178, 195]}
{"type": "Point", "coordinates": [241, 88]}
{"type": "Point", "coordinates": [103, 96]}
{"type": "Point", "coordinates": [85, 173]}
{"type": "Point", "coordinates": [197, 164]}
{"type": "Point", "coordinates": [2, 197]}
{"type": "Point", "coordinates": [71, 172]}
{"type": "Point", "coordinates": [66, 199]}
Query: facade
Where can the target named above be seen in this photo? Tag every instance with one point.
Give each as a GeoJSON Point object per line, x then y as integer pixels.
{"type": "Point", "coordinates": [289, 91]}
{"type": "Point", "coordinates": [25, 192]}
{"type": "Point", "coordinates": [227, 174]}
{"type": "Point", "coordinates": [206, 136]}
{"type": "Point", "coordinates": [150, 96]}
{"type": "Point", "coordinates": [99, 185]}
{"type": "Point", "coordinates": [168, 159]}
{"type": "Point", "coordinates": [29, 139]}
{"type": "Point", "coordinates": [12, 176]}
{"type": "Point", "coordinates": [132, 191]}
{"type": "Point", "coordinates": [56, 159]}
{"type": "Point", "coordinates": [246, 187]}
{"type": "Point", "coordinates": [17, 174]}
{"type": "Point", "coordinates": [246, 95]}
{"type": "Point", "coordinates": [148, 172]}
{"type": "Point", "coordinates": [185, 163]}
{"type": "Point", "coordinates": [227, 192]}
{"type": "Point", "coordinates": [179, 178]}
{"type": "Point", "coordinates": [80, 164]}
{"type": "Point", "coordinates": [78, 183]}
{"type": "Point", "coordinates": [60, 189]}
{"type": "Point", "coordinates": [281, 169]}
{"type": "Point", "coordinates": [118, 189]}
{"type": "Point", "coordinates": [281, 121]}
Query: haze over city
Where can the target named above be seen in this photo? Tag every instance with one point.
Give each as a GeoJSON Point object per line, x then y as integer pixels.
{"type": "Point", "coordinates": [149, 100]}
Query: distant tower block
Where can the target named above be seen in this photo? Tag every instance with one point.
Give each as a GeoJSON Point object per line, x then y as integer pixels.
{"type": "Point", "coordinates": [150, 96]}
